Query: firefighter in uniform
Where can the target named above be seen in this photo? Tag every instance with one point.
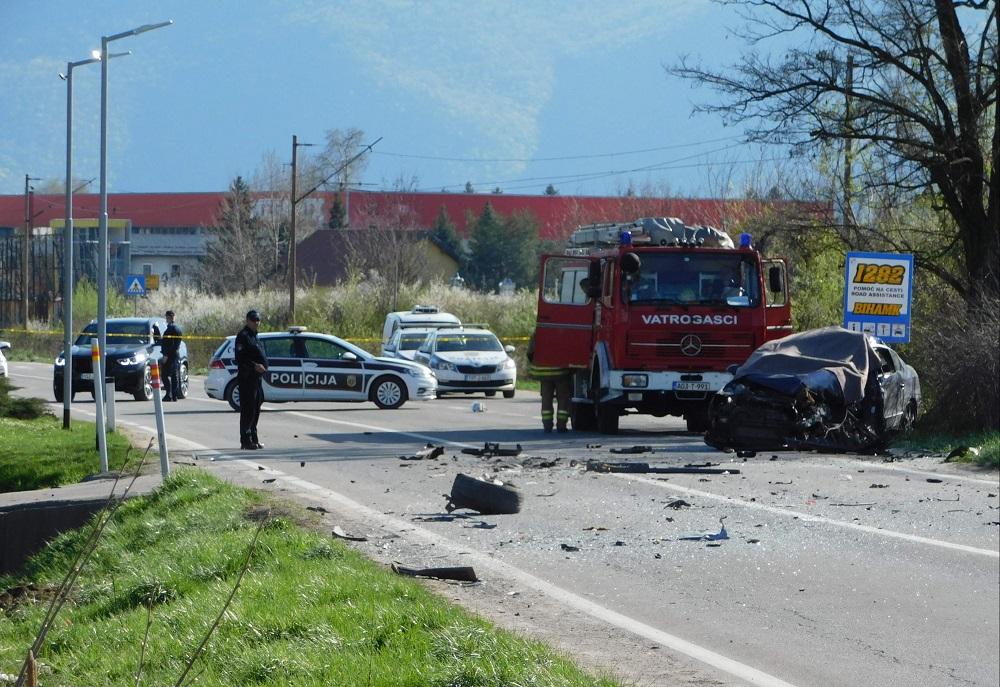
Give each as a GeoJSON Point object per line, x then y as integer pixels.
{"type": "Point", "coordinates": [251, 362]}
{"type": "Point", "coordinates": [170, 346]}
{"type": "Point", "coordinates": [555, 382]}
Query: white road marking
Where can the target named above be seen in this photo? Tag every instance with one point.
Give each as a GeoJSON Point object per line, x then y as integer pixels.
{"type": "Point", "coordinates": [811, 518]}
{"type": "Point", "coordinates": [21, 374]}
{"type": "Point", "coordinates": [404, 528]}
{"type": "Point", "coordinates": [361, 425]}
{"type": "Point", "coordinates": [931, 473]}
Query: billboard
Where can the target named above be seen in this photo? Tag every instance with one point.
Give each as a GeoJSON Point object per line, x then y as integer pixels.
{"type": "Point", "coordinates": [878, 295]}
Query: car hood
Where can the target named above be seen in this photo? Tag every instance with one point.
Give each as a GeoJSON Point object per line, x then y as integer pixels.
{"type": "Point", "coordinates": [473, 357]}
{"type": "Point", "coordinates": [408, 355]}
{"type": "Point", "coordinates": [111, 351]}
{"type": "Point", "coordinates": [833, 362]}
{"type": "Point", "coordinates": [401, 363]}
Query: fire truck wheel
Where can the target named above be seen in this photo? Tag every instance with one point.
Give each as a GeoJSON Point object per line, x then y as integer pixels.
{"type": "Point", "coordinates": [607, 418]}
{"type": "Point", "coordinates": [581, 415]}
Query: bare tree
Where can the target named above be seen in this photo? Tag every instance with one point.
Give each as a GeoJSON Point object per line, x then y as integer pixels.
{"type": "Point", "coordinates": [384, 247]}
{"type": "Point", "coordinates": [914, 84]}
{"type": "Point", "coordinates": [237, 256]}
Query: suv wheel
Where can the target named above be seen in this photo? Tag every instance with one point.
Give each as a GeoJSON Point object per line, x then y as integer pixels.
{"type": "Point", "coordinates": [145, 390]}
{"type": "Point", "coordinates": [184, 382]}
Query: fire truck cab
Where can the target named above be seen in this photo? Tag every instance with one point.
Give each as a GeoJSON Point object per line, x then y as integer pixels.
{"type": "Point", "coordinates": [654, 316]}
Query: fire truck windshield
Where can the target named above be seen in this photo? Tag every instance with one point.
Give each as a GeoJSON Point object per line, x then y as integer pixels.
{"type": "Point", "coordinates": [691, 278]}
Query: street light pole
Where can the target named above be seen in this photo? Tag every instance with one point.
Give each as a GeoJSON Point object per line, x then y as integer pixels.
{"type": "Point", "coordinates": [292, 281]}
{"type": "Point", "coordinates": [68, 246]}
{"type": "Point", "coordinates": [102, 268]}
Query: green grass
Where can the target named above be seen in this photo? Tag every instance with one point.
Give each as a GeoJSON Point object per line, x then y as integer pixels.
{"type": "Point", "coordinates": [310, 611]}
{"type": "Point", "coordinates": [988, 444]}
{"type": "Point", "coordinates": [39, 453]}
{"type": "Point", "coordinates": [525, 384]}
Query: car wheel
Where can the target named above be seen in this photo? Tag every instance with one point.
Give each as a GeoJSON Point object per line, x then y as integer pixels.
{"type": "Point", "coordinates": [232, 395]}
{"type": "Point", "coordinates": [184, 382]}
{"type": "Point", "coordinates": [581, 415]}
{"type": "Point", "coordinates": [484, 497]}
{"type": "Point", "coordinates": [57, 392]}
{"type": "Point", "coordinates": [697, 421]}
{"type": "Point", "coordinates": [388, 393]}
{"type": "Point", "coordinates": [145, 390]}
{"type": "Point", "coordinates": [508, 394]}
{"type": "Point", "coordinates": [491, 394]}
{"type": "Point", "coordinates": [909, 417]}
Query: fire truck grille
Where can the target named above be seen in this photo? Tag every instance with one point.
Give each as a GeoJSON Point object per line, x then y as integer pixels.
{"type": "Point", "coordinates": [688, 348]}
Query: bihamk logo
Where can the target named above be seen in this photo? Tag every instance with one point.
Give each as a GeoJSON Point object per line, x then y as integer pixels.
{"type": "Point", "coordinates": [689, 319]}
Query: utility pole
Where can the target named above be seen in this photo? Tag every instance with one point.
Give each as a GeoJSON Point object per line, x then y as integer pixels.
{"type": "Point", "coordinates": [292, 281]}
{"type": "Point", "coordinates": [848, 143]}
{"type": "Point", "coordinates": [26, 248]}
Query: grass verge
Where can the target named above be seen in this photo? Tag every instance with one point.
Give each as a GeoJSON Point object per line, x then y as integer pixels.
{"type": "Point", "coordinates": [988, 444]}
{"type": "Point", "coordinates": [309, 611]}
{"type": "Point", "coordinates": [38, 453]}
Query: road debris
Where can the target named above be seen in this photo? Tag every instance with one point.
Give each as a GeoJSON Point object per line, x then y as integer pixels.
{"type": "Point", "coordinates": [718, 536]}
{"type": "Point", "coordinates": [339, 533]}
{"type": "Point", "coordinates": [479, 407]}
{"type": "Point", "coordinates": [593, 446]}
{"type": "Point", "coordinates": [484, 497]}
{"type": "Point", "coordinates": [269, 480]}
{"type": "Point", "coordinates": [678, 504]}
{"type": "Point", "coordinates": [569, 547]}
{"type": "Point", "coordinates": [428, 452]}
{"type": "Point", "coordinates": [632, 449]}
{"type": "Point", "coordinates": [879, 486]}
{"type": "Point", "coordinates": [462, 573]}
{"type": "Point", "coordinates": [934, 480]}
{"type": "Point", "coordinates": [962, 452]}
{"type": "Point", "coordinates": [642, 468]}
{"type": "Point", "coordinates": [592, 528]}
{"type": "Point", "coordinates": [317, 509]}
{"type": "Point", "coordinates": [491, 449]}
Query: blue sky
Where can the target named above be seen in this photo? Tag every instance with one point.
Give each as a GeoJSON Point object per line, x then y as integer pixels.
{"type": "Point", "coordinates": [496, 88]}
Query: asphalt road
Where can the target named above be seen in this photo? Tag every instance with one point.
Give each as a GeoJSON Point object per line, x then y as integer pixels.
{"type": "Point", "coordinates": [837, 570]}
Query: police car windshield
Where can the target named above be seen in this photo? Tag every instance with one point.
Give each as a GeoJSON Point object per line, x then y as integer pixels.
{"type": "Point", "coordinates": [467, 342]}
{"type": "Point", "coordinates": [119, 334]}
{"type": "Point", "coordinates": [690, 278]}
{"type": "Point", "coordinates": [411, 342]}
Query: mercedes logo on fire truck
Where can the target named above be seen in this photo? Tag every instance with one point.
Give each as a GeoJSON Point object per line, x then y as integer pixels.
{"type": "Point", "coordinates": [691, 345]}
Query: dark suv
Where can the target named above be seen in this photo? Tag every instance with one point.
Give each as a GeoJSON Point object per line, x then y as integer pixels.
{"type": "Point", "coordinates": [132, 343]}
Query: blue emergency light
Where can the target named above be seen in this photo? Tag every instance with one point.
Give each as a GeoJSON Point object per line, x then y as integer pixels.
{"type": "Point", "coordinates": [625, 238]}
{"type": "Point", "coordinates": [746, 240]}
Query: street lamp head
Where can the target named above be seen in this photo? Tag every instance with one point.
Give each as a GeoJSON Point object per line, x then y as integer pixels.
{"type": "Point", "coordinates": [96, 54]}
{"type": "Point", "coordinates": [149, 27]}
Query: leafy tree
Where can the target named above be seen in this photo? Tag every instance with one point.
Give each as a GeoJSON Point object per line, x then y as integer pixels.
{"type": "Point", "coordinates": [444, 232]}
{"type": "Point", "coordinates": [338, 214]}
{"type": "Point", "coordinates": [914, 84]}
{"type": "Point", "coordinates": [237, 256]}
{"type": "Point", "coordinates": [502, 248]}
{"type": "Point", "coordinates": [551, 190]}
{"type": "Point", "coordinates": [469, 188]}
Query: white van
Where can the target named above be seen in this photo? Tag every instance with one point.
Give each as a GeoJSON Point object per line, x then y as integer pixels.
{"type": "Point", "coordinates": [424, 316]}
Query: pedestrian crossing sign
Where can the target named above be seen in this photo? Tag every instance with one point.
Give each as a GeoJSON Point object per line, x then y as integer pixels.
{"type": "Point", "coordinates": [135, 285]}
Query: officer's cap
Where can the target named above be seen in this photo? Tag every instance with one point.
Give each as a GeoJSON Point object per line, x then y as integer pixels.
{"type": "Point", "coordinates": [253, 315]}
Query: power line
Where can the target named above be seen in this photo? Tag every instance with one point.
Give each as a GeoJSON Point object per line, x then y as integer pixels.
{"type": "Point", "coordinates": [563, 158]}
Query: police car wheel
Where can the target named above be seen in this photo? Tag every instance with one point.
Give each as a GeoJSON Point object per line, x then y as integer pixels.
{"type": "Point", "coordinates": [232, 395]}
{"type": "Point", "coordinates": [388, 393]}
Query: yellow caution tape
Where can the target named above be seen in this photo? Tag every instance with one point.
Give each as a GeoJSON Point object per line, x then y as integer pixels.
{"type": "Point", "coordinates": [205, 337]}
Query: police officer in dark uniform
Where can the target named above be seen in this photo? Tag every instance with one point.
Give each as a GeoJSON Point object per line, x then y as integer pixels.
{"type": "Point", "coordinates": [170, 346]}
{"type": "Point", "coordinates": [251, 362]}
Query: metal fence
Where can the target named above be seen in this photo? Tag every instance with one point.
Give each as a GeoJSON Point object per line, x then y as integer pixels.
{"type": "Point", "coordinates": [45, 276]}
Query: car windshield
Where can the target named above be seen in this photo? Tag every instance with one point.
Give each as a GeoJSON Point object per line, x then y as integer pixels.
{"type": "Point", "coordinates": [689, 278]}
{"type": "Point", "coordinates": [411, 342]}
{"type": "Point", "coordinates": [467, 342]}
{"type": "Point", "coordinates": [119, 334]}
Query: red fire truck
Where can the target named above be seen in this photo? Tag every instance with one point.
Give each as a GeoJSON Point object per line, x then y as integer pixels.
{"type": "Point", "coordinates": [654, 316]}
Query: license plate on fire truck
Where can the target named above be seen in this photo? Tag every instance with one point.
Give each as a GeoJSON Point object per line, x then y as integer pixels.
{"type": "Point", "coordinates": [691, 386]}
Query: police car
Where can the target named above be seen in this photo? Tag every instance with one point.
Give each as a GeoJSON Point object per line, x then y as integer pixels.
{"type": "Point", "coordinates": [469, 360]}
{"type": "Point", "coordinates": [306, 366]}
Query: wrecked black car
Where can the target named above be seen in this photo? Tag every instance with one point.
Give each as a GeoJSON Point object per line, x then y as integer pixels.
{"type": "Point", "coordinates": [825, 389]}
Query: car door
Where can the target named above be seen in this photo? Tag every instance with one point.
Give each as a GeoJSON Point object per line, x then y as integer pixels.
{"type": "Point", "coordinates": [566, 314]}
{"type": "Point", "coordinates": [425, 351]}
{"type": "Point", "coordinates": [892, 386]}
{"type": "Point", "coordinates": [283, 381]}
{"type": "Point", "coordinates": [330, 372]}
